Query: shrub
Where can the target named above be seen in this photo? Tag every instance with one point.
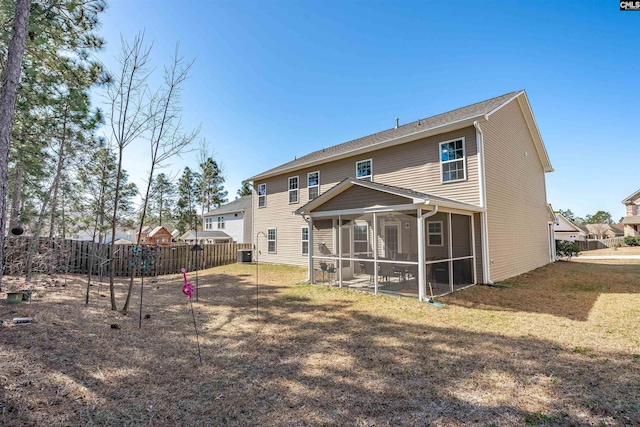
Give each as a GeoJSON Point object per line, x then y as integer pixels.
{"type": "Point", "coordinates": [567, 249]}
{"type": "Point", "coordinates": [632, 241]}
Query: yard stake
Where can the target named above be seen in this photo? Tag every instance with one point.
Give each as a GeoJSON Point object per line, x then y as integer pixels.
{"type": "Point", "coordinates": [188, 289]}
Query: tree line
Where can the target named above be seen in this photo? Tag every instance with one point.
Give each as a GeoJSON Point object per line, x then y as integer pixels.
{"type": "Point", "coordinates": [61, 155]}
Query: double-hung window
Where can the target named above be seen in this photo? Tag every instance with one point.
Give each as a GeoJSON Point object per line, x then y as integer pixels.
{"type": "Point", "coordinates": [313, 184]}
{"type": "Point", "coordinates": [361, 239]}
{"type": "Point", "coordinates": [364, 170]}
{"type": "Point", "coordinates": [452, 160]}
{"type": "Point", "coordinates": [293, 189]}
{"type": "Point", "coordinates": [434, 233]}
{"type": "Point", "coordinates": [208, 223]}
{"type": "Point", "coordinates": [262, 195]}
{"type": "Point", "coordinates": [305, 240]}
{"type": "Point", "coordinates": [271, 240]}
{"type": "Point", "coordinates": [220, 222]}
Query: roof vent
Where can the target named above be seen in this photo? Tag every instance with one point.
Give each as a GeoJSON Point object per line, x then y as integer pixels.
{"type": "Point", "coordinates": [397, 120]}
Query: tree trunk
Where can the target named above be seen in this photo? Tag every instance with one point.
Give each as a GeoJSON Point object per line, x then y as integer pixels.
{"type": "Point", "coordinates": [113, 231]}
{"type": "Point", "coordinates": [18, 178]}
{"type": "Point", "coordinates": [56, 179]}
{"type": "Point", "coordinates": [8, 95]}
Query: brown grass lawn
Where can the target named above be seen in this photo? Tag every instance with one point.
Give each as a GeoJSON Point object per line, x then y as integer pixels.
{"type": "Point", "coordinates": [625, 250]}
{"type": "Point", "coordinates": [557, 346]}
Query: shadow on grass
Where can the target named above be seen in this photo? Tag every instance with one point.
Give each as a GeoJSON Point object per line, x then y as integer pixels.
{"type": "Point", "coordinates": [563, 289]}
{"type": "Point", "coordinates": [316, 357]}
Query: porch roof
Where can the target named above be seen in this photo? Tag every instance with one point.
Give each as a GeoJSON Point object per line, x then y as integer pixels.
{"type": "Point", "coordinates": [413, 197]}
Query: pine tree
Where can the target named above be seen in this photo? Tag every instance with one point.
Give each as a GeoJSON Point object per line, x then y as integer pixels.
{"type": "Point", "coordinates": [245, 190]}
{"type": "Point", "coordinates": [162, 200]}
{"type": "Point", "coordinates": [188, 193]}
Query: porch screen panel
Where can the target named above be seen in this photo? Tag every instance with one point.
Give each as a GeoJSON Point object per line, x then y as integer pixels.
{"type": "Point", "coordinates": [461, 235]}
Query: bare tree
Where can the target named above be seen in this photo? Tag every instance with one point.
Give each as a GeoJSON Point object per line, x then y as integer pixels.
{"type": "Point", "coordinates": [166, 137]}
{"type": "Point", "coordinates": [128, 117]}
{"type": "Point", "coordinates": [8, 94]}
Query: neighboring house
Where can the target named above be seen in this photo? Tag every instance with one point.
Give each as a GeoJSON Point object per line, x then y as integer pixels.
{"type": "Point", "coordinates": [565, 229]}
{"type": "Point", "coordinates": [631, 220]}
{"type": "Point", "coordinates": [208, 236]}
{"type": "Point", "coordinates": [121, 233]}
{"type": "Point", "coordinates": [158, 236]}
{"type": "Point", "coordinates": [604, 231]}
{"type": "Point", "coordinates": [458, 198]}
{"type": "Point", "coordinates": [234, 219]}
{"type": "Point", "coordinates": [175, 234]}
{"type": "Point", "coordinates": [143, 235]}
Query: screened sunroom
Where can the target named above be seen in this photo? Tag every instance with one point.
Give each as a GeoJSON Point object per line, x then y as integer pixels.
{"type": "Point", "coordinates": [384, 239]}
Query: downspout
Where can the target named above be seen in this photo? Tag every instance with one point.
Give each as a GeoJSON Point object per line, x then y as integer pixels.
{"type": "Point", "coordinates": [421, 252]}
{"type": "Point", "coordinates": [482, 182]}
{"type": "Point", "coordinates": [309, 222]}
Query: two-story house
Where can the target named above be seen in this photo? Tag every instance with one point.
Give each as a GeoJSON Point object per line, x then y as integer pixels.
{"type": "Point", "coordinates": [443, 202]}
{"type": "Point", "coordinates": [234, 219]}
{"type": "Point", "coordinates": [565, 229]}
{"type": "Point", "coordinates": [631, 220]}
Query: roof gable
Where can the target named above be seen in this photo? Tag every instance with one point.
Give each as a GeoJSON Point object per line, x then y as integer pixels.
{"type": "Point", "coordinates": [237, 205]}
{"type": "Point", "coordinates": [632, 198]}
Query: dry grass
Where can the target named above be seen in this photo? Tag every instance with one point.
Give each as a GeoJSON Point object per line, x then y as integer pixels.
{"type": "Point", "coordinates": [558, 346]}
{"type": "Point", "coordinates": [625, 250]}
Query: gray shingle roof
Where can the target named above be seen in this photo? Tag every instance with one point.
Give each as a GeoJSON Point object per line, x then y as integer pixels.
{"type": "Point", "coordinates": [460, 114]}
{"type": "Point", "coordinates": [237, 205]}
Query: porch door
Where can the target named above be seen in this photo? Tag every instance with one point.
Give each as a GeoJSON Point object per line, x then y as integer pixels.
{"type": "Point", "coordinates": [391, 240]}
{"type": "Point", "coordinates": [347, 251]}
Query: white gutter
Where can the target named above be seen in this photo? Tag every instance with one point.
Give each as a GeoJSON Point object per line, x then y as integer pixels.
{"type": "Point", "coordinates": [482, 183]}
{"type": "Point", "coordinates": [422, 292]}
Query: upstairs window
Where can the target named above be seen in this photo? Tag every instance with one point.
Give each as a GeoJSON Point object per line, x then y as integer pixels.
{"type": "Point", "coordinates": [313, 184]}
{"type": "Point", "coordinates": [271, 240]}
{"type": "Point", "coordinates": [452, 160]}
{"type": "Point", "coordinates": [262, 195]}
{"type": "Point", "coordinates": [305, 240]}
{"type": "Point", "coordinates": [364, 170]}
{"type": "Point", "coordinates": [208, 223]}
{"type": "Point", "coordinates": [220, 222]}
{"type": "Point", "coordinates": [293, 189]}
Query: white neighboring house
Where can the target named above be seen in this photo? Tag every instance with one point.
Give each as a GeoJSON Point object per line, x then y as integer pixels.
{"type": "Point", "coordinates": [233, 219]}
{"type": "Point", "coordinates": [565, 229]}
{"type": "Point", "coordinates": [205, 237]}
{"type": "Point", "coordinates": [121, 234]}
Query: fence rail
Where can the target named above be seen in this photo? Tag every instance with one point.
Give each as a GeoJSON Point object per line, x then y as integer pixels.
{"type": "Point", "coordinates": [82, 257]}
{"type": "Point", "coordinates": [593, 244]}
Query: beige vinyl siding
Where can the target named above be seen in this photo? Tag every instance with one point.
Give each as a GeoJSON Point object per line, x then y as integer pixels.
{"type": "Point", "coordinates": [248, 225]}
{"type": "Point", "coordinates": [278, 214]}
{"type": "Point", "coordinates": [516, 195]}
{"type": "Point", "coordinates": [358, 197]}
{"type": "Point", "coordinates": [414, 165]}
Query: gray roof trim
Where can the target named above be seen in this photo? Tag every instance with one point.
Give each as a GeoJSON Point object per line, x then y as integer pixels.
{"type": "Point", "coordinates": [434, 125]}
{"type": "Point", "coordinates": [632, 197]}
{"type": "Point", "coordinates": [238, 205]}
{"type": "Point", "coordinates": [415, 196]}
{"type": "Point", "coordinates": [202, 234]}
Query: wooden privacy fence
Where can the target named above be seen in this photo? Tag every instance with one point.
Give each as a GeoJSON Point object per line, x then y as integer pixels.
{"type": "Point", "coordinates": [78, 257]}
{"type": "Point", "coordinates": [593, 244]}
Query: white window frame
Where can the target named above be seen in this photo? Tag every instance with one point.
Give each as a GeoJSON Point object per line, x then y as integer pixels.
{"type": "Point", "coordinates": [366, 226]}
{"type": "Point", "coordinates": [317, 186]}
{"type": "Point", "coordinates": [274, 240]}
{"type": "Point", "coordinates": [441, 233]}
{"type": "Point", "coordinates": [208, 223]}
{"type": "Point", "coordinates": [293, 191]}
{"type": "Point", "coordinates": [220, 222]}
{"type": "Point", "coordinates": [303, 240]}
{"type": "Point", "coordinates": [463, 160]}
{"type": "Point", "coordinates": [262, 198]}
{"type": "Point", "coordinates": [370, 176]}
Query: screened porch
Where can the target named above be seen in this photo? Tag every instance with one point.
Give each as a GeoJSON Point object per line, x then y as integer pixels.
{"type": "Point", "coordinates": [379, 252]}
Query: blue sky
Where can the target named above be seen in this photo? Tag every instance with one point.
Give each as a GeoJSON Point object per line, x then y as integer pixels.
{"type": "Point", "coordinates": [278, 79]}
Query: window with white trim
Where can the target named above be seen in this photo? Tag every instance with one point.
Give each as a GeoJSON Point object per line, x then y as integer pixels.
{"type": "Point", "coordinates": [293, 189]}
{"type": "Point", "coordinates": [452, 160]}
{"type": "Point", "coordinates": [361, 239]}
{"type": "Point", "coordinates": [220, 222]}
{"type": "Point", "coordinates": [364, 170]}
{"type": "Point", "coordinates": [262, 195]}
{"type": "Point", "coordinates": [305, 240]}
{"type": "Point", "coordinates": [271, 240]}
{"type": "Point", "coordinates": [434, 233]}
{"type": "Point", "coordinates": [313, 184]}
{"type": "Point", "coordinates": [208, 223]}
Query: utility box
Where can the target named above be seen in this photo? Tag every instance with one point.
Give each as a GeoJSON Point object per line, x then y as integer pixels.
{"type": "Point", "coordinates": [244, 256]}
